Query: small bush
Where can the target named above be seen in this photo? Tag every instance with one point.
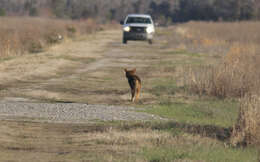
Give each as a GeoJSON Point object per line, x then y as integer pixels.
{"type": "Point", "coordinates": [247, 129]}
{"type": "Point", "coordinates": [2, 12]}
{"type": "Point", "coordinates": [33, 12]}
{"type": "Point", "coordinates": [71, 29]}
{"type": "Point", "coordinates": [35, 47]}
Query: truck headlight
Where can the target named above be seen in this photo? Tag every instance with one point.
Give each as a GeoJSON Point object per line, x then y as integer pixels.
{"type": "Point", "coordinates": [127, 28]}
{"type": "Point", "coordinates": [149, 29]}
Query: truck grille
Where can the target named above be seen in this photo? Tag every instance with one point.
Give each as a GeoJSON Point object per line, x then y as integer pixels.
{"type": "Point", "coordinates": [138, 29]}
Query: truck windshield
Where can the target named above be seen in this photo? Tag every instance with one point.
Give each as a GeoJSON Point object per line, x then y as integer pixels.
{"type": "Point", "coordinates": [138, 20]}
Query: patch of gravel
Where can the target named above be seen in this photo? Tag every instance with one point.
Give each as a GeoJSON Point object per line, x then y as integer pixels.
{"type": "Point", "coordinates": [71, 112]}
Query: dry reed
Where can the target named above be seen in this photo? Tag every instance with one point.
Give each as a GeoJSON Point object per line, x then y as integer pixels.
{"type": "Point", "coordinates": [247, 129]}
{"type": "Point", "coordinates": [237, 73]}
{"type": "Point", "coordinates": [236, 76]}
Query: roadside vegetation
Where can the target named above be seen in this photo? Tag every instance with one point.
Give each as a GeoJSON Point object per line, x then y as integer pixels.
{"type": "Point", "coordinates": [22, 35]}
{"type": "Point", "coordinates": [235, 76]}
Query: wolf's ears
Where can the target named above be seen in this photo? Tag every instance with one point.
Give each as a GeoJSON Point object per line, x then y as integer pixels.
{"type": "Point", "coordinates": [134, 70]}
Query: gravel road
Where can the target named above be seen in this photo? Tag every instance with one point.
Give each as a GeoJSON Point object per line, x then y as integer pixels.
{"type": "Point", "coordinates": [71, 112]}
{"type": "Point", "coordinates": [62, 71]}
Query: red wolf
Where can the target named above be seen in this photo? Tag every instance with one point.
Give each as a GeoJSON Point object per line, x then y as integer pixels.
{"type": "Point", "coordinates": [134, 83]}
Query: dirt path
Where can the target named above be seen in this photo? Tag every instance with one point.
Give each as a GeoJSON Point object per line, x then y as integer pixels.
{"type": "Point", "coordinates": [88, 71]}
{"type": "Point", "coordinates": [85, 71]}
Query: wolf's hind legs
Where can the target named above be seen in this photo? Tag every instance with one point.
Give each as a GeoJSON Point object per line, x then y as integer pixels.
{"type": "Point", "coordinates": [133, 95]}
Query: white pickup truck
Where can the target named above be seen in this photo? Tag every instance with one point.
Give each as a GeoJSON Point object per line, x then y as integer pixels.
{"type": "Point", "coordinates": [138, 27]}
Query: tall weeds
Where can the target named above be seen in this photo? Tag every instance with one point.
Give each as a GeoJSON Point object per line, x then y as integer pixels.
{"type": "Point", "coordinates": [20, 35]}
{"type": "Point", "coordinates": [236, 75]}
{"type": "Point", "coordinates": [247, 129]}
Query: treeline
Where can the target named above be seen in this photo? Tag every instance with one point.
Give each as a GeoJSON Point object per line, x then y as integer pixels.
{"type": "Point", "coordinates": [163, 11]}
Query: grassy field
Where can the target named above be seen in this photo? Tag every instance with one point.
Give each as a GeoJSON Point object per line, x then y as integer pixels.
{"type": "Point", "coordinates": [113, 142]}
{"type": "Point", "coordinates": [199, 125]}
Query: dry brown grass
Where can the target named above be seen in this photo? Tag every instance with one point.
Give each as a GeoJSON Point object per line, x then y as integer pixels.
{"type": "Point", "coordinates": [220, 37]}
{"type": "Point", "coordinates": [141, 142]}
{"type": "Point", "coordinates": [75, 142]}
{"type": "Point", "coordinates": [236, 76]}
{"type": "Point", "coordinates": [237, 73]}
{"type": "Point", "coordinates": [243, 31]}
{"type": "Point", "coordinates": [247, 129]}
{"type": "Point", "coordinates": [19, 35]}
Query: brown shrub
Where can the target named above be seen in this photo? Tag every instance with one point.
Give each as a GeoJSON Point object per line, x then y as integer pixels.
{"type": "Point", "coordinates": [19, 35]}
{"type": "Point", "coordinates": [237, 75]}
{"type": "Point", "coordinates": [247, 129]}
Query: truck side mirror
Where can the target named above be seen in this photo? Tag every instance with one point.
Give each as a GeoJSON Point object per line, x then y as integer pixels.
{"type": "Point", "coordinates": [122, 22]}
